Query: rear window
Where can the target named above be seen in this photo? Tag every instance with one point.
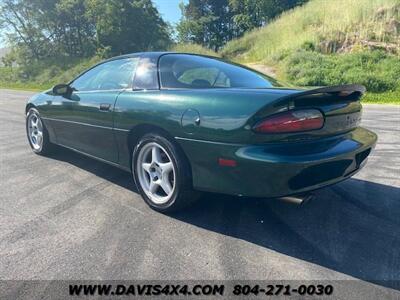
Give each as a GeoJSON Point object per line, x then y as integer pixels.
{"type": "Point", "coordinates": [192, 71]}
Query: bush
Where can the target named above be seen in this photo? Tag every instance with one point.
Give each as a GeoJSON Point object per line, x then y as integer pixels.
{"type": "Point", "coordinates": [8, 74]}
{"type": "Point", "coordinates": [376, 70]}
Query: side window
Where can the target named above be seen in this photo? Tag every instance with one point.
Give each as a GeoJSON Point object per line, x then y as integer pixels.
{"type": "Point", "coordinates": [112, 75]}
{"type": "Point", "coordinates": [222, 81]}
{"type": "Point", "coordinates": [199, 76]}
{"type": "Point", "coordinates": [185, 71]}
{"type": "Point", "coordinates": [204, 78]}
{"type": "Point", "coordinates": [146, 74]}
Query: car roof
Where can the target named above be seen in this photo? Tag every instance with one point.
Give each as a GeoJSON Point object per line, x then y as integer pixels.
{"type": "Point", "coordinates": [155, 54]}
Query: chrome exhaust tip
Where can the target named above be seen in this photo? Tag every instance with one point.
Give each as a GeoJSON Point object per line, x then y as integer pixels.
{"type": "Point", "coordinates": [298, 199]}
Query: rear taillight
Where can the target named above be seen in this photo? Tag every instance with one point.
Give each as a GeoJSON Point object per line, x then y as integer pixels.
{"type": "Point", "coordinates": [291, 121]}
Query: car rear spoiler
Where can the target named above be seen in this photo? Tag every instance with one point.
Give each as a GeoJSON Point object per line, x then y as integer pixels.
{"type": "Point", "coordinates": [337, 90]}
{"type": "Point", "coordinates": [352, 92]}
{"type": "Point", "coordinates": [314, 97]}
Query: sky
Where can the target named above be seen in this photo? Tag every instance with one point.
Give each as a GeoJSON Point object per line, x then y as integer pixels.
{"type": "Point", "coordinates": [169, 10]}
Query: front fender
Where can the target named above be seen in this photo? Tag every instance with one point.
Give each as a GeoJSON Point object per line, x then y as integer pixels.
{"type": "Point", "coordinates": [41, 102]}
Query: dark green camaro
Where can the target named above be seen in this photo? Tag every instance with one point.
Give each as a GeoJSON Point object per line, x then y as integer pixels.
{"type": "Point", "coordinates": [183, 123]}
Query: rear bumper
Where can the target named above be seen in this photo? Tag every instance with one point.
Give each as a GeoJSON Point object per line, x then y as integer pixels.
{"type": "Point", "coordinates": [277, 170]}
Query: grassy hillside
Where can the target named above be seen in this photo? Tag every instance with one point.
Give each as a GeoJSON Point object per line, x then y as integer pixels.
{"type": "Point", "coordinates": [328, 43]}
{"type": "Point", "coordinates": [325, 26]}
{"type": "Point", "coordinates": [331, 42]}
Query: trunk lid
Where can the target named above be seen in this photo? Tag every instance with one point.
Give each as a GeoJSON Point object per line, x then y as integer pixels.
{"type": "Point", "coordinates": [340, 106]}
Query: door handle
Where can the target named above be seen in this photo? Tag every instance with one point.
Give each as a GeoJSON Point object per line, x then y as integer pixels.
{"type": "Point", "coordinates": [105, 106]}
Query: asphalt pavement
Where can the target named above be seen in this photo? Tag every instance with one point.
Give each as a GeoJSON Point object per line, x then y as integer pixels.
{"type": "Point", "coordinates": [71, 217]}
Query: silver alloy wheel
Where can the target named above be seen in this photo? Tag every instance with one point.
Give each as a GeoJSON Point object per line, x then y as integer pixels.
{"type": "Point", "coordinates": [35, 131]}
{"type": "Point", "coordinates": [156, 173]}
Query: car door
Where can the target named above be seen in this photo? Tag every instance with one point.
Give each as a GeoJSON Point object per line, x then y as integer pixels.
{"type": "Point", "coordinates": [86, 116]}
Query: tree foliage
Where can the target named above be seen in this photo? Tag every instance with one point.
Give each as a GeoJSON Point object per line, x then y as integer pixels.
{"type": "Point", "coordinates": [42, 28]}
{"type": "Point", "coordinates": [128, 26]}
{"type": "Point", "coordinates": [212, 23]}
{"type": "Point", "coordinates": [78, 28]}
{"type": "Point", "coordinates": [205, 22]}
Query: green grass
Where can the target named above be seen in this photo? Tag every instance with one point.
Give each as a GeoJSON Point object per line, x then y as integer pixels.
{"type": "Point", "coordinates": [24, 87]}
{"type": "Point", "coordinates": [327, 26]}
{"type": "Point", "coordinates": [331, 42]}
{"type": "Point", "coordinates": [382, 98]}
{"type": "Point", "coordinates": [377, 70]}
{"type": "Point", "coordinates": [43, 75]}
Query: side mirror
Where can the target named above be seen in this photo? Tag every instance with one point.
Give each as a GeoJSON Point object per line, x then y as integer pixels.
{"type": "Point", "coordinates": [62, 90]}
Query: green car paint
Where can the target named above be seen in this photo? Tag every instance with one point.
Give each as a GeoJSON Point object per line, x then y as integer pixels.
{"type": "Point", "coordinates": [214, 123]}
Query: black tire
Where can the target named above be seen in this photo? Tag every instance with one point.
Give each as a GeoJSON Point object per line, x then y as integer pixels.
{"type": "Point", "coordinates": [183, 194]}
{"type": "Point", "coordinates": [46, 146]}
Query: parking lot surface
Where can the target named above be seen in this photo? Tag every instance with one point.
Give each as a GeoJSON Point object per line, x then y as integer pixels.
{"type": "Point", "coordinates": [71, 217]}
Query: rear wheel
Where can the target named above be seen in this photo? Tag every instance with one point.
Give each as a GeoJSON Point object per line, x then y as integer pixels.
{"type": "Point", "coordinates": [162, 174]}
{"type": "Point", "coordinates": [37, 134]}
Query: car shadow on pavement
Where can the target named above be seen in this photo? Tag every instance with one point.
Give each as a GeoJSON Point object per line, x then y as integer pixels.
{"type": "Point", "coordinates": [98, 168]}
{"type": "Point", "coordinates": [352, 227]}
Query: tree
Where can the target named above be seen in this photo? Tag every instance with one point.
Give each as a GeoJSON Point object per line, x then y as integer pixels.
{"type": "Point", "coordinates": [46, 28]}
{"type": "Point", "coordinates": [9, 59]}
{"type": "Point", "coordinates": [74, 32]}
{"type": "Point", "coordinates": [212, 23]}
{"type": "Point", "coordinates": [205, 22]}
{"type": "Point", "coordinates": [247, 15]}
{"type": "Point", "coordinates": [128, 25]}
{"type": "Point", "coordinates": [78, 28]}
{"type": "Point", "coordinates": [15, 16]}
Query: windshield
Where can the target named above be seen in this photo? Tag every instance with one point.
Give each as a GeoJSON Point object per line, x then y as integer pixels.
{"type": "Point", "coordinates": [192, 71]}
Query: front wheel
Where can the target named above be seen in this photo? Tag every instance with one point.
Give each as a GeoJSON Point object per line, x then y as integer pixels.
{"type": "Point", "coordinates": [37, 134]}
{"type": "Point", "coordinates": [162, 174]}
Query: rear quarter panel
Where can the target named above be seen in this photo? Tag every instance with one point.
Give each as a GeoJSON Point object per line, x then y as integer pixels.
{"type": "Point", "coordinates": [223, 113]}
